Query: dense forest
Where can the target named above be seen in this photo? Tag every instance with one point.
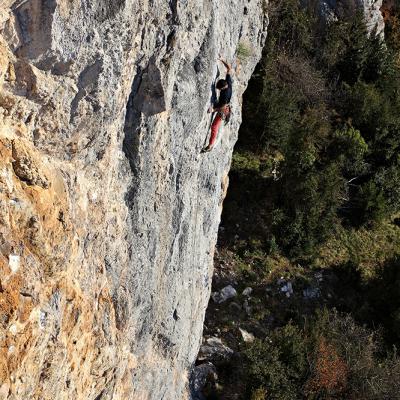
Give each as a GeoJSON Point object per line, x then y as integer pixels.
{"type": "Point", "coordinates": [314, 201]}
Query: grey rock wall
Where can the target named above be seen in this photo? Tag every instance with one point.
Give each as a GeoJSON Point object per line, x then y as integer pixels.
{"type": "Point", "coordinates": [109, 213]}
{"type": "Point", "coordinates": [370, 8]}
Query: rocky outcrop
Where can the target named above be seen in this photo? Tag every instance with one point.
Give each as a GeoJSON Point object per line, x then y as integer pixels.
{"type": "Point", "coordinates": [370, 8]}
{"type": "Point", "coordinates": [109, 214]}
{"type": "Point", "coordinates": [373, 15]}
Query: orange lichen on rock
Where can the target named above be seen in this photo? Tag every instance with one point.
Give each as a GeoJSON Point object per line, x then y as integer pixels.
{"type": "Point", "coordinates": [36, 244]}
{"type": "Point", "coordinates": [15, 309]}
{"type": "Point", "coordinates": [38, 210]}
{"type": "Point", "coordinates": [27, 167]}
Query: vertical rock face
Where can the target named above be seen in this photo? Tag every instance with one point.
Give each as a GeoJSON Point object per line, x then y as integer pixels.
{"type": "Point", "coordinates": [370, 8]}
{"type": "Point", "coordinates": [373, 15]}
{"type": "Point", "coordinates": [108, 213]}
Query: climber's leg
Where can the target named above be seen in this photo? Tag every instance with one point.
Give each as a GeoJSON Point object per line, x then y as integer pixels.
{"type": "Point", "coordinates": [214, 129]}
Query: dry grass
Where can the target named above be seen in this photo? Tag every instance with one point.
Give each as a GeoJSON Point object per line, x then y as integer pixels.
{"type": "Point", "coordinates": [244, 51]}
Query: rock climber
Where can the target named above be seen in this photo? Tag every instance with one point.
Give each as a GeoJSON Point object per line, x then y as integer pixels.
{"type": "Point", "coordinates": [221, 107]}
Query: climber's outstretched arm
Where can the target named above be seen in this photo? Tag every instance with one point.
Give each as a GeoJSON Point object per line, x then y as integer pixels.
{"type": "Point", "coordinates": [227, 66]}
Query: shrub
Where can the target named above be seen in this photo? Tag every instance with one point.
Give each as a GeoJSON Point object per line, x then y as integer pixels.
{"type": "Point", "coordinates": [329, 357]}
{"type": "Point", "coordinates": [329, 371]}
{"type": "Point", "coordinates": [259, 394]}
{"type": "Point", "coordinates": [350, 148]}
{"type": "Point", "coordinates": [244, 51]}
{"type": "Point", "coordinates": [277, 364]}
{"type": "Point", "coordinates": [369, 205]}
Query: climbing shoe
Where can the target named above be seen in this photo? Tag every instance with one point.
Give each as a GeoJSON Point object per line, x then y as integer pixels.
{"type": "Point", "coordinates": [206, 149]}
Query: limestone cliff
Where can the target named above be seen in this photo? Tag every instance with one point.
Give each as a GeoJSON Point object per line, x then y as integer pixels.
{"type": "Point", "coordinates": [370, 8]}
{"type": "Point", "coordinates": [108, 213]}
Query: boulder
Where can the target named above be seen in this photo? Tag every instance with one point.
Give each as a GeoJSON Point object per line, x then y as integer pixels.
{"type": "Point", "coordinates": [226, 293]}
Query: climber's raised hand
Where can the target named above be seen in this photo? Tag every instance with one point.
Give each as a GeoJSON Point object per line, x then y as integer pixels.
{"type": "Point", "coordinates": [227, 66]}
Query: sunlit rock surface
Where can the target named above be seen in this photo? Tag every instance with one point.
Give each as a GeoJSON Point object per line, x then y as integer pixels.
{"type": "Point", "coordinates": [371, 9]}
{"type": "Point", "coordinates": [108, 213]}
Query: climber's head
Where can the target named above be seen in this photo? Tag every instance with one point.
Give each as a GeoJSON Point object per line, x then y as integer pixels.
{"type": "Point", "coordinates": [222, 84]}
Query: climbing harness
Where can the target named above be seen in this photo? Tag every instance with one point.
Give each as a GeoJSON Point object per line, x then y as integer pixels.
{"type": "Point", "coordinates": [226, 114]}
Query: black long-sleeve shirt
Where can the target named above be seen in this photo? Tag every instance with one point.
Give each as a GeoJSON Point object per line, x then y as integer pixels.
{"type": "Point", "coordinates": [225, 94]}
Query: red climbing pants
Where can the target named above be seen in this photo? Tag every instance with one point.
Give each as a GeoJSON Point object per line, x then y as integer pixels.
{"type": "Point", "coordinates": [221, 115]}
{"type": "Point", "coordinates": [215, 128]}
